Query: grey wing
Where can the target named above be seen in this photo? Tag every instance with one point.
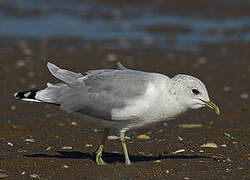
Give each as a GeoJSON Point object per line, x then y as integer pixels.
{"type": "Point", "coordinates": [97, 93]}
{"type": "Point", "coordinates": [105, 92]}
{"type": "Point", "coordinates": [100, 71]}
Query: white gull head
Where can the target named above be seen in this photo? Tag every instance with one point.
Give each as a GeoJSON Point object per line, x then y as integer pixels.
{"type": "Point", "coordinates": [191, 93]}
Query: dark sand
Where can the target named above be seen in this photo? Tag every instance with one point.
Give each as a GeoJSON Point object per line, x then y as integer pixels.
{"type": "Point", "coordinates": [225, 69]}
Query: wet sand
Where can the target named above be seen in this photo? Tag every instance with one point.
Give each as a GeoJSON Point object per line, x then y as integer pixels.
{"type": "Point", "coordinates": [32, 135]}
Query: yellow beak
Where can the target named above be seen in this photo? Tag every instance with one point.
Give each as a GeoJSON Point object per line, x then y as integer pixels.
{"type": "Point", "coordinates": [212, 106]}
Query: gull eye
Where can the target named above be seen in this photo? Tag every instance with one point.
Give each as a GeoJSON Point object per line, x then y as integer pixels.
{"type": "Point", "coordinates": [195, 91]}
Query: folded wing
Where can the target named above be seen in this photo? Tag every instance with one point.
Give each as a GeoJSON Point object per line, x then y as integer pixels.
{"type": "Point", "coordinates": [97, 93]}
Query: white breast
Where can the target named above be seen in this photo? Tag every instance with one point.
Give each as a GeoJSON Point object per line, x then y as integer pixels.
{"type": "Point", "coordinates": [149, 107]}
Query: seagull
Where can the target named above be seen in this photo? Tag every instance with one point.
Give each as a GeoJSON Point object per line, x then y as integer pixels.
{"type": "Point", "coordinates": [122, 99]}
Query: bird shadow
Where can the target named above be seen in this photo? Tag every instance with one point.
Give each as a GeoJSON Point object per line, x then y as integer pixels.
{"type": "Point", "coordinates": [111, 158]}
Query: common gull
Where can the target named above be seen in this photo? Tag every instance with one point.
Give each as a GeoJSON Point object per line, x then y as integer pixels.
{"type": "Point", "coordinates": [122, 99]}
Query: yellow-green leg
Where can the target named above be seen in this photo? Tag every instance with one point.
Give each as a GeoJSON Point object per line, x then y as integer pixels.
{"type": "Point", "coordinates": [99, 160]}
{"type": "Point", "coordinates": [127, 161]}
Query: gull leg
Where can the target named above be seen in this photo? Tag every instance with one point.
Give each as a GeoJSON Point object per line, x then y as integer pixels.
{"type": "Point", "coordinates": [122, 137]}
{"type": "Point", "coordinates": [99, 160]}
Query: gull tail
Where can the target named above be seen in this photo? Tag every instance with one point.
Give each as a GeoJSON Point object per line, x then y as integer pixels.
{"type": "Point", "coordinates": [27, 95]}
{"type": "Point", "coordinates": [50, 94]}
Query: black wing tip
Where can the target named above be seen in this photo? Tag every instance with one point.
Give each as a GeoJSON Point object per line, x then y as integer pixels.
{"type": "Point", "coordinates": [26, 94]}
{"type": "Point", "coordinates": [29, 96]}
{"type": "Point", "coordinates": [16, 95]}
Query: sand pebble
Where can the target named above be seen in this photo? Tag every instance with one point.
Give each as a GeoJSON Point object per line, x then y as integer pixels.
{"type": "Point", "coordinates": [190, 125]}
{"type": "Point", "coordinates": [157, 161]}
{"type": "Point", "coordinates": [202, 60]}
{"type": "Point", "coordinates": [21, 63]}
{"type": "Point", "coordinates": [89, 145]}
{"type": "Point", "coordinates": [67, 147]}
{"type": "Point", "coordinates": [180, 138]}
{"type": "Point", "coordinates": [29, 140]}
{"type": "Point", "coordinates": [149, 133]}
{"type": "Point", "coordinates": [111, 57]}
{"type": "Point", "coordinates": [10, 144]}
{"type": "Point", "coordinates": [23, 173]}
{"type": "Point", "coordinates": [223, 145]}
{"type": "Point", "coordinates": [117, 137]}
{"type": "Point", "coordinates": [179, 151]}
{"type": "Point", "coordinates": [61, 124]}
{"type": "Point", "coordinates": [209, 145]}
{"type": "Point", "coordinates": [227, 88]}
{"type": "Point", "coordinates": [27, 51]}
{"type": "Point", "coordinates": [165, 124]}
{"type": "Point", "coordinates": [143, 136]}
{"type": "Point", "coordinates": [34, 176]}
{"type": "Point", "coordinates": [48, 148]}
{"type": "Point", "coordinates": [160, 130]}
{"type": "Point", "coordinates": [48, 115]}
{"type": "Point", "coordinates": [244, 96]}
{"type": "Point", "coordinates": [201, 151]}
{"type": "Point", "coordinates": [65, 166]}
{"type": "Point", "coordinates": [161, 140]}
{"type": "Point", "coordinates": [24, 47]}
{"type": "Point", "coordinates": [167, 171]}
{"type": "Point", "coordinates": [12, 107]}
{"type": "Point", "coordinates": [3, 175]}
{"type": "Point", "coordinates": [22, 151]}
{"type": "Point", "coordinates": [31, 74]}
{"type": "Point", "coordinates": [227, 134]}
{"type": "Point", "coordinates": [74, 123]}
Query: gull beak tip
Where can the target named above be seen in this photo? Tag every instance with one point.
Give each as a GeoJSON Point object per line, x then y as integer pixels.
{"type": "Point", "coordinates": [212, 106]}
{"type": "Point", "coordinates": [217, 111]}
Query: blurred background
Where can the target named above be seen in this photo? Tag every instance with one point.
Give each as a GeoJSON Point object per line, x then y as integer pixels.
{"type": "Point", "coordinates": [209, 39]}
{"type": "Point", "coordinates": [132, 24]}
